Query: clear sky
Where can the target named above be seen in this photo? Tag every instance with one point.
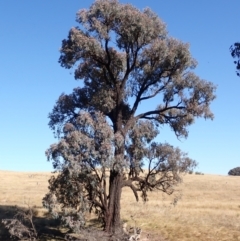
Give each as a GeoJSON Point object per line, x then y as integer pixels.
{"type": "Point", "coordinates": [32, 79]}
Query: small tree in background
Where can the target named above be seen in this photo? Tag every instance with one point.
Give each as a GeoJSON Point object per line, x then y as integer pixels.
{"type": "Point", "coordinates": [235, 52]}
{"type": "Point", "coordinates": [124, 58]}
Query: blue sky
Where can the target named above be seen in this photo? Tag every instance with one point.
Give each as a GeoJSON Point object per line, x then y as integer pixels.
{"type": "Point", "coordinates": [32, 79]}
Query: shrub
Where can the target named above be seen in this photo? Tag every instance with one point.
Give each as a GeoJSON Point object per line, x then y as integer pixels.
{"type": "Point", "coordinates": [21, 225]}
{"type": "Point", "coordinates": [199, 173]}
{"type": "Point", "coordinates": [234, 172]}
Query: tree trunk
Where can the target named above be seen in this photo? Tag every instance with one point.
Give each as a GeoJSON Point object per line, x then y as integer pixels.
{"type": "Point", "coordinates": [112, 222]}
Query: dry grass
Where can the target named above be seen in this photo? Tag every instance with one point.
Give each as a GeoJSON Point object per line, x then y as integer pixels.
{"type": "Point", "coordinates": [208, 210]}
{"type": "Point", "coordinates": [17, 188]}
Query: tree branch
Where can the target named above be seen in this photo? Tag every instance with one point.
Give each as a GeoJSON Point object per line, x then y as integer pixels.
{"type": "Point", "coordinates": [109, 61]}
{"type": "Point", "coordinates": [128, 183]}
{"type": "Point", "coordinates": [153, 95]}
{"type": "Point", "coordinates": [158, 112]}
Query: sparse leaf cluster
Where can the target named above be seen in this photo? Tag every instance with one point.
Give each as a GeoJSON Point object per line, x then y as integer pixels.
{"type": "Point", "coordinates": [21, 225]}
{"type": "Point", "coordinates": [235, 52]}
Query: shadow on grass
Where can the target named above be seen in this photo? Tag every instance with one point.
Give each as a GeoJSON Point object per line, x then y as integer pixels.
{"type": "Point", "coordinates": [47, 228]}
{"type": "Point", "coordinates": [50, 229]}
{"type": "Point", "coordinates": [93, 223]}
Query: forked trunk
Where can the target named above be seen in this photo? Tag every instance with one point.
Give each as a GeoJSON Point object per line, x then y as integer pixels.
{"type": "Point", "coordinates": [112, 219]}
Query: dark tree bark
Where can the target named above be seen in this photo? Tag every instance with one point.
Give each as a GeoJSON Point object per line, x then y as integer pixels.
{"type": "Point", "coordinates": [113, 221]}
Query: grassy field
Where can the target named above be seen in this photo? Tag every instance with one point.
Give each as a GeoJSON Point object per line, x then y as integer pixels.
{"type": "Point", "coordinates": [209, 207]}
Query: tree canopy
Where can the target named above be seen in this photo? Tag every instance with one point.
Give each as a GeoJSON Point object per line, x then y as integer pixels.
{"type": "Point", "coordinates": [124, 57]}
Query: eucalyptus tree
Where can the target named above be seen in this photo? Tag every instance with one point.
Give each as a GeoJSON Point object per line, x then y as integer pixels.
{"type": "Point", "coordinates": [124, 57]}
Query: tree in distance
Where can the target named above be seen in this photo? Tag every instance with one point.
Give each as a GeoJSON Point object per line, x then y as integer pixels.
{"type": "Point", "coordinates": [234, 172]}
{"type": "Point", "coordinates": [125, 58]}
{"type": "Point", "coordinates": [235, 52]}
